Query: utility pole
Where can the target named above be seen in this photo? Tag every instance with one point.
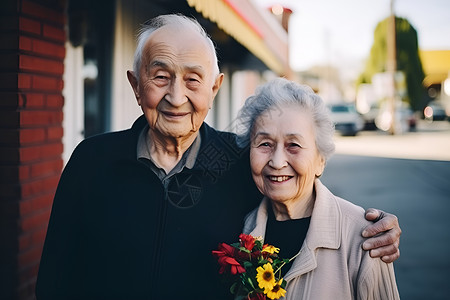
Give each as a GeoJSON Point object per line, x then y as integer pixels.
{"type": "Point", "coordinates": [391, 65]}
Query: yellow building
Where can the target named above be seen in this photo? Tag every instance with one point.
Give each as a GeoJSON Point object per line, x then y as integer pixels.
{"type": "Point", "coordinates": [436, 65]}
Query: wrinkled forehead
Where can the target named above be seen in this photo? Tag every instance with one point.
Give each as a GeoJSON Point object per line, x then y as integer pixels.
{"type": "Point", "coordinates": [180, 41]}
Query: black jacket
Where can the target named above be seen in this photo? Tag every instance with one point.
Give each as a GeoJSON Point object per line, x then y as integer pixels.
{"type": "Point", "coordinates": [116, 232]}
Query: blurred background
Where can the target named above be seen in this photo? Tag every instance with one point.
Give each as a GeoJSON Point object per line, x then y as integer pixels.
{"type": "Point", "coordinates": [381, 66]}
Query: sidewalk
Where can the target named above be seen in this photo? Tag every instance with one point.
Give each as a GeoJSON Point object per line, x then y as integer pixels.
{"type": "Point", "coordinates": [431, 141]}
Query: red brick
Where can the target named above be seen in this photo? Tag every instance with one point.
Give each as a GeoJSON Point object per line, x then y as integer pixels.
{"type": "Point", "coordinates": [31, 100]}
{"type": "Point", "coordinates": [24, 172]}
{"type": "Point", "coordinates": [39, 187]}
{"type": "Point", "coordinates": [31, 63]}
{"type": "Point", "coordinates": [55, 101]}
{"type": "Point", "coordinates": [55, 133]}
{"type": "Point", "coordinates": [37, 203]}
{"type": "Point", "coordinates": [29, 258]}
{"type": "Point", "coordinates": [28, 25]}
{"type": "Point", "coordinates": [24, 81]}
{"type": "Point", "coordinates": [36, 153]}
{"type": "Point", "coordinates": [25, 43]}
{"type": "Point", "coordinates": [42, 12]}
{"type": "Point", "coordinates": [43, 48]}
{"type": "Point", "coordinates": [46, 168]}
{"type": "Point", "coordinates": [36, 220]}
{"type": "Point", "coordinates": [54, 33]}
{"type": "Point", "coordinates": [32, 136]}
{"type": "Point", "coordinates": [40, 118]}
{"type": "Point", "coordinates": [47, 83]}
{"type": "Point", "coordinates": [29, 239]}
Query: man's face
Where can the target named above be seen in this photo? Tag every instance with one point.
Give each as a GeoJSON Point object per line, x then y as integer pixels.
{"type": "Point", "coordinates": [177, 84]}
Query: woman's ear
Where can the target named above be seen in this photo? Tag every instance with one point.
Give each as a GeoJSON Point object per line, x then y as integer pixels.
{"type": "Point", "coordinates": [320, 167]}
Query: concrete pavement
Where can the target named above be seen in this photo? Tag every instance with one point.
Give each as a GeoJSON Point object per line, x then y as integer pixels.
{"type": "Point", "coordinates": [430, 141]}
{"type": "Point", "coordinates": [407, 175]}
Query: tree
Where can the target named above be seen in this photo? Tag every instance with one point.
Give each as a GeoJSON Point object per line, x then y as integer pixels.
{"type": "Point", "coordinates": [408, 60]}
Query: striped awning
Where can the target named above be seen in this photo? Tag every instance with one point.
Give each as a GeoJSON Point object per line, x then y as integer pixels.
{"type": "Point", "coordinates": [252, 27]}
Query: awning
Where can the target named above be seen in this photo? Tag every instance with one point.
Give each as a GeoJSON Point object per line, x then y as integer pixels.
{"type": "Point", "coordinates": [436, 65]}
{"type": "Point", "coordinates": [252, 27]}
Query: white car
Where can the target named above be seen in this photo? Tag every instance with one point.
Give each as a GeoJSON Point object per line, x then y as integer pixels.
{"type": "Point", "coordinates": [346, 119]}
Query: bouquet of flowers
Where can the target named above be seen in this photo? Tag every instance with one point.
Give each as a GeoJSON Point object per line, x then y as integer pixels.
{"type": "Point", "coordinates": [253, 268]}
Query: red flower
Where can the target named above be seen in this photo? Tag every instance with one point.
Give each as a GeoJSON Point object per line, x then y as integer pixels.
{"type": "Point", "coordinates": [257, 296]}
{"type": "Point", "coordinates": [226, 259]}
{"type": "Point", "coordinates": [247, 241]}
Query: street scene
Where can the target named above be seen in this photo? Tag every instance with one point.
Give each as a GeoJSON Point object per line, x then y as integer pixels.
{"type": "Point", "coordinates": [130, 101]}
{"type": "Point", "coordinates": [407, 175]}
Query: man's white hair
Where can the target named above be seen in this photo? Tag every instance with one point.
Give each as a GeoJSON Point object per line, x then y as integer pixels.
{"type": "Point", "coordinates": [165, 20]}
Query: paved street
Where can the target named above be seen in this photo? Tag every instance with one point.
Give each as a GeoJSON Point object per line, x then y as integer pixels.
{"type": "Point", "coordinates": [408, 175]}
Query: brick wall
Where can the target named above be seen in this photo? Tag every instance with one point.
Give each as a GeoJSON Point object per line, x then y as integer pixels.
{"type": "Point", "coordinates": [32, 54]}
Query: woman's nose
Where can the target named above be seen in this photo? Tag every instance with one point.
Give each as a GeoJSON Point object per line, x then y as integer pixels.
{"type": "Point", "coordinates": [278, 159]}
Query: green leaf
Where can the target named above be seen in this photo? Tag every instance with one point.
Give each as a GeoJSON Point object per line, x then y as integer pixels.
{"type": "Point", "coordinates": [250, 281]}
{"type": "Point", "coordinates": [243, 249]}
{"type": "Point", "coordinates": [233, 288]}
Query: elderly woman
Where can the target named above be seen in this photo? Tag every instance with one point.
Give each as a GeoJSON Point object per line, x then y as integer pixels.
{"type": "Point", "coordinates": [290, 134]}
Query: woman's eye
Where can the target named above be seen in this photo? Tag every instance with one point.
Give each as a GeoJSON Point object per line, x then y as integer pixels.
{"type": "Point", "coordinates": [294, 145]}
{"type": "Point", "coordinates": [264, 144]}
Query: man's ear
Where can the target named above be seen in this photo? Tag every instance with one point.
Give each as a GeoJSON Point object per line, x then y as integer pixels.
{"type": "Point", "coordinates": [215, 89]}
{"type": "Point", "coordinates": [134, 85]}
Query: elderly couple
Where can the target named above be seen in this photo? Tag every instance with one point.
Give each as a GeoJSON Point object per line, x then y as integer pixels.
{"type": "Point", "coordinates": [137, 212]}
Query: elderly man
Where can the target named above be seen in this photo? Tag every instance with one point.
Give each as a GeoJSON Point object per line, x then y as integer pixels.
{"type": "Point", "coordinates": [137, 213]}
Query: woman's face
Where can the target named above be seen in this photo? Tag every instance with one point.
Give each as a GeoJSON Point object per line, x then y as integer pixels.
{"type": "Point", "coordinates": [283, 156]}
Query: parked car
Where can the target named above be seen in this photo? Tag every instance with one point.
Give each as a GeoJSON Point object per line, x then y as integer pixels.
{"type": "Point", "coordinates": [435, 111]}
{"type": "Point", "coordinates": [347, 120]}
{"type": "Point", "coordinates": [405, 118]}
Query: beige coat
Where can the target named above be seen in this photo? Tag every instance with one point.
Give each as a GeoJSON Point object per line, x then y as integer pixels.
{"type": "Point", "coordinates": [331, 263]}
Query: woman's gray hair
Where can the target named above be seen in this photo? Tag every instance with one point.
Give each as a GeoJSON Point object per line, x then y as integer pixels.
{"type": "Point", "coordinates": [183, 22]}
{"type": "Point", "coordinates": [280, 92]}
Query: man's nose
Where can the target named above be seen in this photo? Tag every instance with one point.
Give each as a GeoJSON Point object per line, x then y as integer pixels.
{"type": "Point", "coordinates": [278, 159]}
{"type": "Point", "coordinates": [176, 94]}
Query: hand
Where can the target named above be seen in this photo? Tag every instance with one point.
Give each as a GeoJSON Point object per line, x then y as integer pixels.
{"type": "Point", "coordinates": [384, 235]}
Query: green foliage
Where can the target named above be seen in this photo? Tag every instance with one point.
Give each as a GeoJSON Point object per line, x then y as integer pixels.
{"type": "Point", "coordinates": [408, 60]}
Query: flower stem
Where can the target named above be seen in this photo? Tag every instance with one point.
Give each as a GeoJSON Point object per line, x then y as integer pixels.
{"type": "Point", "coordinates": [291, 259]}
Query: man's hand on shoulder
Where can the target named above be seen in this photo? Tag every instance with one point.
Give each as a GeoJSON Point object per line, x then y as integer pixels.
{"type": "Point", "coordinates": [383, 235]}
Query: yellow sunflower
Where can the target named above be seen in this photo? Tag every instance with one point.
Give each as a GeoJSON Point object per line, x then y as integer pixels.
{"type": "Point", "coordinates": [265, 277]}
{"type": "Point", "coordinates": [276, 292]}
{"type": "Point", "coordinates": [271, 249]}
